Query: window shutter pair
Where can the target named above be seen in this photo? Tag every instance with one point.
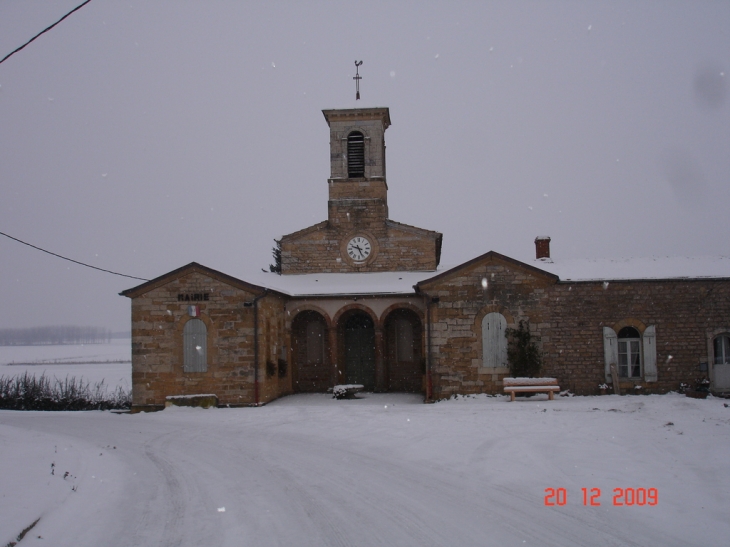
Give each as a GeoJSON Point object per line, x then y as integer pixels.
{"type": "Point", "coordinates": [648, 342]}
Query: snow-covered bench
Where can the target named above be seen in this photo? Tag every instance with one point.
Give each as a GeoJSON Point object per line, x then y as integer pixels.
{"type": "Point", "coordinates": [530, 385]}
{"type": "Point", "coordinates": [203, 400]}
{"type": "Point", "coordinates": [346, 391]}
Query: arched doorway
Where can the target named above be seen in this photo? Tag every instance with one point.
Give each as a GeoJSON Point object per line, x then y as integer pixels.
{"type": "Point", "coordinates": [357, 332]}
{"type": "Point", "coordinates": [404, 351]}
{"type": "Point", "coordinates": [311, 371]}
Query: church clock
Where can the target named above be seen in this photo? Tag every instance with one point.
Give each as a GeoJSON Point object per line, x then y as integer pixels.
{"type": "Point", "coordinates": [359, 249]}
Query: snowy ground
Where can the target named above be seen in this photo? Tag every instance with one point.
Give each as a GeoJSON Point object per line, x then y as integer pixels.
{"type": "Point", "coordinates": [382, 470]}
{"type": "Point", "coordinates": [92, 362]}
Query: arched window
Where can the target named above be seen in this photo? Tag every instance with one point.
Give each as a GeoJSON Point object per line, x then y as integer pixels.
{"type": "Point", "coordinates": [629, 353]}
{"type": "Point", "coordinates": [355, 155]}
{"type": "Point", "coordinates": [494, 341]}
{"type": "Point", "coordinates": [195, 346]}
{"type": "Point", "coordinates": [722, 349]}
{"type": "Point", "coordinates": [632, 351]}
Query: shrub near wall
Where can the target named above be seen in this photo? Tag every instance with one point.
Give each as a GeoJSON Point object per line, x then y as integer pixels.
{"type": "Point", "coordinates": [28, 392]}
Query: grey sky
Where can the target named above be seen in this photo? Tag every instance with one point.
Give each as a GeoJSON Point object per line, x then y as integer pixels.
{"type": "Point", "coordinates": [139, 136]}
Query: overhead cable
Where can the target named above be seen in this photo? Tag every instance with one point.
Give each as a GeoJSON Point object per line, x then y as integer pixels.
{"type": "Point", "coordinates": [70, 259]}
{"type": "Point", "coordinates": [44, 31]}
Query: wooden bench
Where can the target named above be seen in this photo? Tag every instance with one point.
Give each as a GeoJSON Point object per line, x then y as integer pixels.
{"type": "Point", "coordinates": [530, 385]}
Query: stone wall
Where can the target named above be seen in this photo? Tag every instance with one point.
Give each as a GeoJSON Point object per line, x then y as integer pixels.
{"type": "Point", "coordinates": [456, 332]}
{"type": "Point", "coordinates": [158, 319]}
{"type": "Point", "coordinates": [568, 318]}
{"type": "Point", "coordinates": [685, 314]}
{"type": "Point", "coordinates": [396, 247]}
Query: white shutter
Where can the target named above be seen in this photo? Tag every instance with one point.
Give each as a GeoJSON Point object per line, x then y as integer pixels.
{"type": "Point", "coordinates": [195, 346]}
{"type": "Point", "coordinates": [610, 350]}
{"type": "Point", "coordinates": [494, 342]}
{"type": "Point", "coordinates": [649, 343]}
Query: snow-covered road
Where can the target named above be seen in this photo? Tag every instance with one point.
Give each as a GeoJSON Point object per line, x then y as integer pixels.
{"type": "Point", "coordinates": [384, 470]}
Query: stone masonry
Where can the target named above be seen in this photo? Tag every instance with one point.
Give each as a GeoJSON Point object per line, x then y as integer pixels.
{"type": "Point", "coordinates": [159, 315]}
{"type": "Point", "coordinates": [568, 318]}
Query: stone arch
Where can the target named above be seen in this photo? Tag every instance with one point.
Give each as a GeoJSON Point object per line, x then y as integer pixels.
{"type": "Point", "coordinates": [308, 307]}
{"type": "Point", "coordinates": [629, 322]}
{"type": "Point", "coordinates": [402, 305]}
{"type": "Point", "coordinates": [355, 306]}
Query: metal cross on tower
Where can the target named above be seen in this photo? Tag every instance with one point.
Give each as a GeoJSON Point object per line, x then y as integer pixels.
{"type": "Point", "coordinates": [357, 79]}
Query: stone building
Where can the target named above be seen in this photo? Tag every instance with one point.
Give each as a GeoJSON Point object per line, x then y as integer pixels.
{"type": "Point", "coordinates": [361, 300]}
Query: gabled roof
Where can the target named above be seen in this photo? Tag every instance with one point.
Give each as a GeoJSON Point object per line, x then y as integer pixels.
{"type": "Point", "coordinates": [492, 256]}
{"type": "Point", "coordinates": [193, 267]}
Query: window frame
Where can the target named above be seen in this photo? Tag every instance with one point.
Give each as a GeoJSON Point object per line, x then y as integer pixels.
{"type": "Point", "coordinates": [647, 351]}
{"type": "Point", "coordinates": [195, 346]}
{"type": "Point", "coordinates": [724, 349]}
{"type": "Point", "coordinates": [494, 358]}
{"type": "Point", "coordinates": [355, 148]}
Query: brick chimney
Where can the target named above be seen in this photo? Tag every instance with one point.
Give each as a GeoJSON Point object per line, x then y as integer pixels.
{"type": "Point", "coordinates": [542, 247]}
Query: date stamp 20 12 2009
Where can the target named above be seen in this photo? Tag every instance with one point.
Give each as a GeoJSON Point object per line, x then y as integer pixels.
{"type": "Point", "coordinates": [622, 497]}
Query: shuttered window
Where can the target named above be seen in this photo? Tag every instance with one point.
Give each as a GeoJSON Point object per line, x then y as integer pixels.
{"type": "Point", "coordinates": [195, 346]}
{"type": "Point", "coordinates": [494, 341]}
{"type": "Point", "coordinates": [633, 353]}
{"type": "Point", "coordinates": [355, 155]}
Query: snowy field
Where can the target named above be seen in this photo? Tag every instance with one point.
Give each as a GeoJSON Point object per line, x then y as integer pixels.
{"type": "Point", "coordinates": [308, 470]}
{"type": "Point", "coordinates": [92, 362]}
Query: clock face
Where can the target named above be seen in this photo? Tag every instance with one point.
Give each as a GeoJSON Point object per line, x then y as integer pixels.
{"type": "Point", "coordinates": [359, 248]}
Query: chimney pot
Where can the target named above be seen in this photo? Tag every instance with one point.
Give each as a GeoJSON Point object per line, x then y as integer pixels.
{"type": "Point", "coordinates": [542, 247]}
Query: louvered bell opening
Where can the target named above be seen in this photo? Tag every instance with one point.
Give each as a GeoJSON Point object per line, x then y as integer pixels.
{"type": "Point", "coordinates": [355, 155]}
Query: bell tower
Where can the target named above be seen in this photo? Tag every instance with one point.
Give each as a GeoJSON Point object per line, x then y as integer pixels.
{"type": "Point", "coordinates": [358, 190]}
{"type": "Point", "coordinates": [358, 236]}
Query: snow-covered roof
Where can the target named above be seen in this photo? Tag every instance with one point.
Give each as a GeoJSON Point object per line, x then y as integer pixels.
{"type": "Point", "coordinates": [331, 284]}
{"type": "Point", "coordinates": [657, 267]}
{"type": "Point", "coordinates": [597, 269]}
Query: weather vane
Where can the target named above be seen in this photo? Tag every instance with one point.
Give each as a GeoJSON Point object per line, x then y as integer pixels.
{"type": "Point", "coordinates": [357, 79]}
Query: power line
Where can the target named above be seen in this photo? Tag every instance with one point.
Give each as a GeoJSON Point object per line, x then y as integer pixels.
{"type": "Point", "coordinates": [70, 259]}
{"type": "Point", "coordinates": [44, 31]}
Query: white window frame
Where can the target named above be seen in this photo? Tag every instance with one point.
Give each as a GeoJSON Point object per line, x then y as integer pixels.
{"type": "Point", "coordinates": [725, 349]}
{"type": "Point", "coordinates": [647, 352]}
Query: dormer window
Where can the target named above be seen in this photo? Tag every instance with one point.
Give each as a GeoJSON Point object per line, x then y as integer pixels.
{"type": "Point", "coordinates": [355, 155]}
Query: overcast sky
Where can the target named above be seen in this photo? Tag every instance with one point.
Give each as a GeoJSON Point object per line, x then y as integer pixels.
{"type": "Point", "coordinates": [139, 136]}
